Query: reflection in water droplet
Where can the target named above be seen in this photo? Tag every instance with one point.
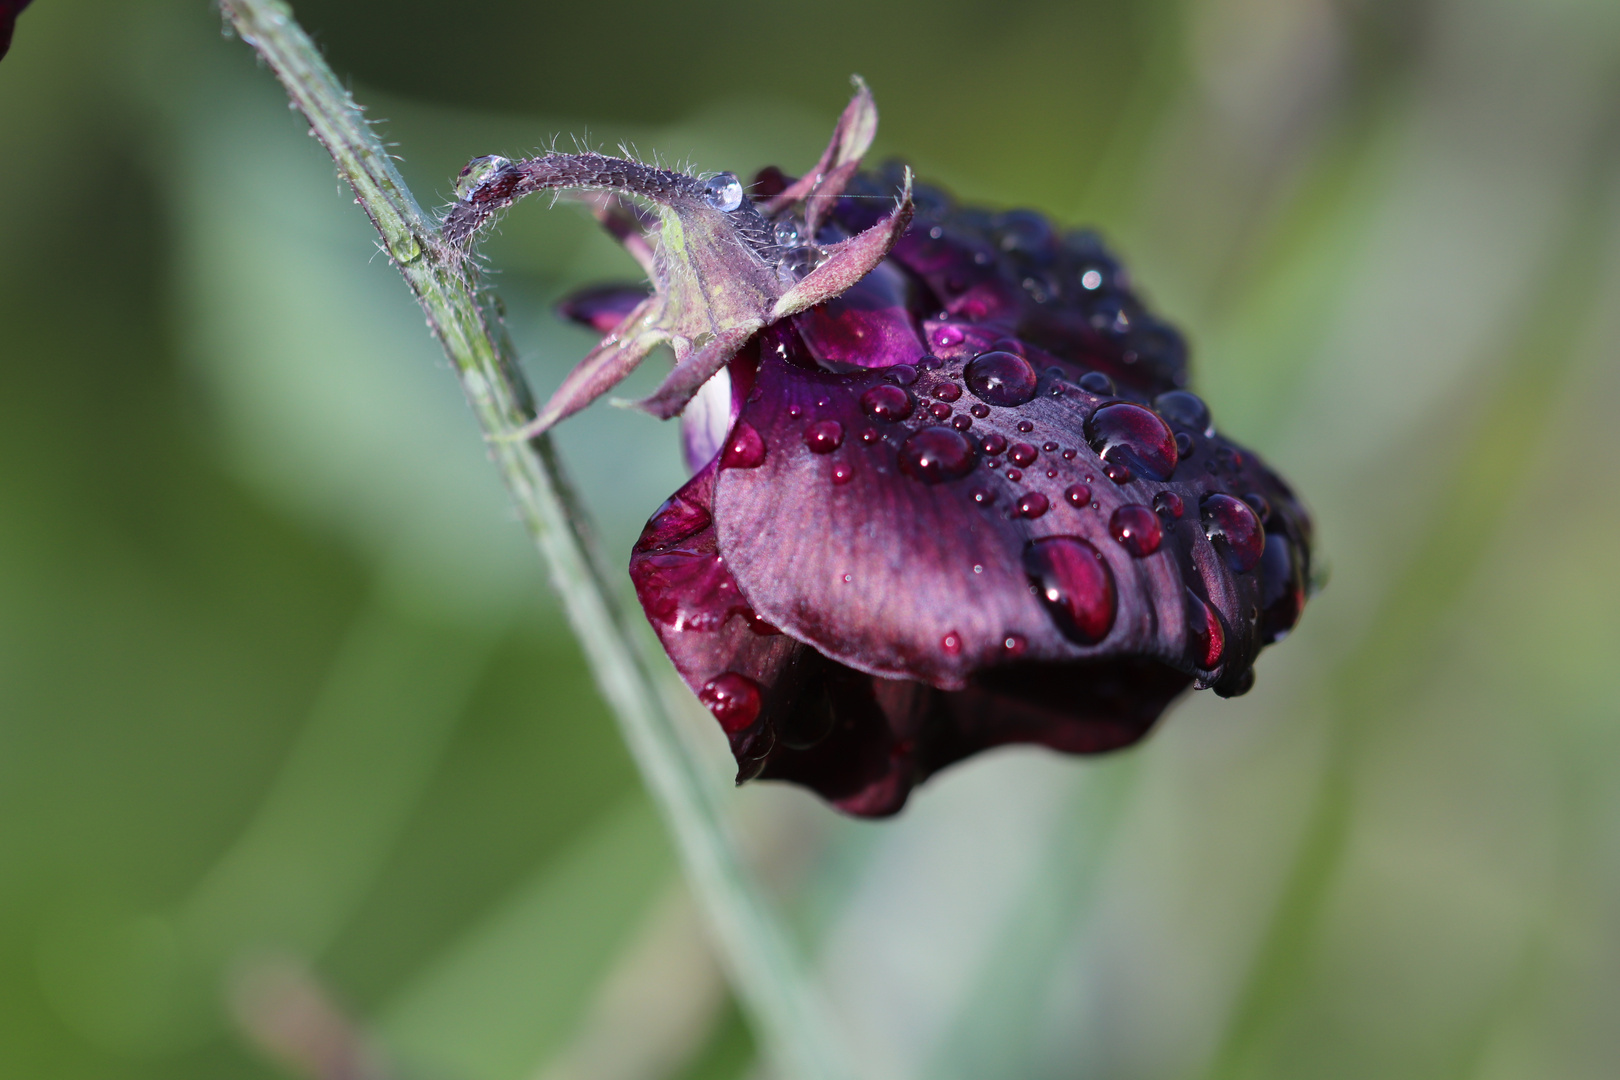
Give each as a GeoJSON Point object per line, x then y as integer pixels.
{"type": "Point", "coordinates": [951, 643]}
{"type": "Point", "coordinates": [824, 436]}
{"type": "Point", "coordinates": [744, 449]}
{"type": "Point", "coordinates": [886, 403]}
{"type": "Point", "coordinates": [1137, 529]}
{"type": "Point", "coordinates": [870, 435]}
{"type": "Point", "coordinates": [1015, 644]}
{"type": "Point", "coordinates": [1001, 378]}
{"type": "Point", "coordinates": [1022, 454]}
{"type": "Point", "coordinates": [1168, 502]}
{"type": "Point", "coordinates": [1118, 473]}
{"type": "Point", "coordinates": [947, 391]}
{"type": "Point", "coordinates": [1025, 427]}
{"type": "Point", "coordinates": [1032, 505]}
{"type": "Point", "coordinates": [1131, 435]}
{"type": "Point", "coordinates": [723, 192]}
{"type": "Point", "coordinates": [1091, 280]}
{"type": "Point", "coordinates": [1075, 584]}
{"type": "Point", "coordinates": [1206, 639]}
{"type": "Point", "coordinates": [994, 444]}
{"type": "Point", "coordinates": [842, 473]}
{"type": "Point", "coordinates": [982, 496]}
{"type": "Point", "coordinates": [1231, 525]}
{"type": "Point", "coordinates": [936, 454]}
{"type": "Point", "coordinates": [961, 422]}
{"type": "Point", "coordinates": [939, 410]}
{"type": "Point", "coordinates": [733, 699]}
{"type": "Point", "coordinates": [477, 171]}
{"type": "Point", "coordinates": [1014, 475]}
{"type": "Point", "coordinates": [980, 410]}
{"type": "Point", "coordinates": [1077, 494]}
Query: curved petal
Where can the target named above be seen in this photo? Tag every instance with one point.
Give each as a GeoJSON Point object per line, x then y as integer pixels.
{"type": "Point", "coordinates": [909, 548]}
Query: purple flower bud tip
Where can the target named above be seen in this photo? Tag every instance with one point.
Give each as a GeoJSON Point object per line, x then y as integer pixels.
{"type": "Point", "coordinates": [951, 491]}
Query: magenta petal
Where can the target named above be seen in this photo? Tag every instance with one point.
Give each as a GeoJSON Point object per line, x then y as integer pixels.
{"type": "Point", "coordinates": [913, 565]}
{"type": "Point", "coordinates": [601, 307]}
{"type": "Point", "coordinates": [870, 325]}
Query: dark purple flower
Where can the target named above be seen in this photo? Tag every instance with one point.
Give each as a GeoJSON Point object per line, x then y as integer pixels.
{"type": "Point", "coordinates": [962, 500]}
{"type": "Point", "coordinates": [9, 10]}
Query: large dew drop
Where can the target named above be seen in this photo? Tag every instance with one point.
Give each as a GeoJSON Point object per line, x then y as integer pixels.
{"type": "Point", "coordinates": [936, 454]}
{"type": "Point", "coordinates": [734, 699]}
{"type": "Point", "coordinates": [1206, 639]}
{"type": "Point", "coordinates": [745, 449]}
{"type": "Point", "coordinates": [886, 403]}
{"type": "Point", "coordinates": [1233, 528]}
{"type": "Point", "coordinates": [1133, 437]}
{"type": "Point", "coordinates": [1137, 529]}
{"type": "Point", "coordinates": [1001, 378]}
{"type": "Point", "coordinates": [1075, 585]}
{"type": "Point", "coordinates": [723, 192]}
{"type": "Point", "coordinates": [477, 171]}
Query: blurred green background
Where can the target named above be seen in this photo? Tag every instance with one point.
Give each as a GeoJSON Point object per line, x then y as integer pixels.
{"type": "Point", "coordinates": [301, 773]}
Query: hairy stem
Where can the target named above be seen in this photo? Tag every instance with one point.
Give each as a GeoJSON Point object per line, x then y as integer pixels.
{"type": "Point", "coordinates": [787, 1014]}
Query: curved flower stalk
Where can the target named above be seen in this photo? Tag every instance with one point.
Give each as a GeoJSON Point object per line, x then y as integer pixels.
{"type": "Point", "coordinates": [950, 489]}
{"type": "Point", "coordinates": [786, 1013]}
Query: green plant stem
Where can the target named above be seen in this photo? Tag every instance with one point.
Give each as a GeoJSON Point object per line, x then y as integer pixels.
{"type": "Point", "coordinates": [766, 973]}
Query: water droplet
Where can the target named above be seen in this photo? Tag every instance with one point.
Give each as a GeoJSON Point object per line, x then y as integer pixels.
{"type": "Point", "coordinates": [982, 496]}
{"type": "Point", "coordinates": [403, 246]}
{"type": "Point", "coordinates": [951, 643]}
{"type": "Point", "coordinates": [903, 374]}
{"type": "Point", "coordinates": [939, 411]}
{"type": "Point", "coordinates": [1001, 378]}
{"type": "Point", "coordinates": [1232, 526]}
{"type": "Point", "coordinates": [994, 443]}
{"type": "Point", "coordinates": [787, 233]}
{"type": "Point", "coordinates": [929, 362]}
{"type": "Point", "coordinates": [1022, 454]}
{"type": "Point", "coordinates": [1261, 507]}
{"type": "Point", "coordinates": [1051, 474]}
{"type": "Point", "coordinates": [733, 699]}
{"type": "Point", "coordinates": [477, 171]}
{"type": "Point", "coordinates": [1119, 474]}
{"type": "Point", "coordinates": [1091, 280]}
{"type": "Point", "coordinates": [961, 422]}
{"type": "Point", "coordinates": [1168, 502]}
{"type": "Point", "coordinates": [1014, 475]}
{"type": "Point", "coordinates": [947, 391]}
{"type": "Point", "coordinates": [1075, 584]}
{"type": "Point", "coordinates": [1069, 453]}
{"type": "Point", "coordinates": [1015, 644]}
{"type": "Point", "coordinates": [870, 435]}
{"type": "Point", "coordinates": [1077, 494]}
{"type": "Point", "coordinates": [886, 403]}
{"type": "Point", "coordinates": [979, 410]}
{"type": "Point", "coordinates": [842, 473]}
{"type": "Point", "coordinates": [824, 436]}
{"type": "Point", "coordinates": [795, 411]}
{"type": "Point", "coordinates": [723, 192]}
{"type": "Point", "coordinates": [1095, 382]}
{"type": "Point", "coordinates": [1032, 505]}
{"type": "Point", "coordinates": [744, 449]}
{"type": "Point", "coordinates": [1137, 529]}
{"type": "Point", "coordinates": [947, 336]}
{"type": "Point", "coordinates": [1184, 409]}
{"type": "Point", "coordinates": [1025, 427]}
{"type": "Point", "coordinates": [1133, 436]}
{"type": "Point", "coordinates": [847, 578]}
{"type": "Point", "coordinates": [1206, 638]}
{"type": "Point", "coordinates": [1049, 447]}
{"type": "Point", "coordinates": [1184, 444]}
{"type": "Point", "coordinates": [936, 454]}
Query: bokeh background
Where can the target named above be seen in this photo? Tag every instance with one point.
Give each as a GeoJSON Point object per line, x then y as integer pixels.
{"type": "Point", "coordinates": [300, 769]}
